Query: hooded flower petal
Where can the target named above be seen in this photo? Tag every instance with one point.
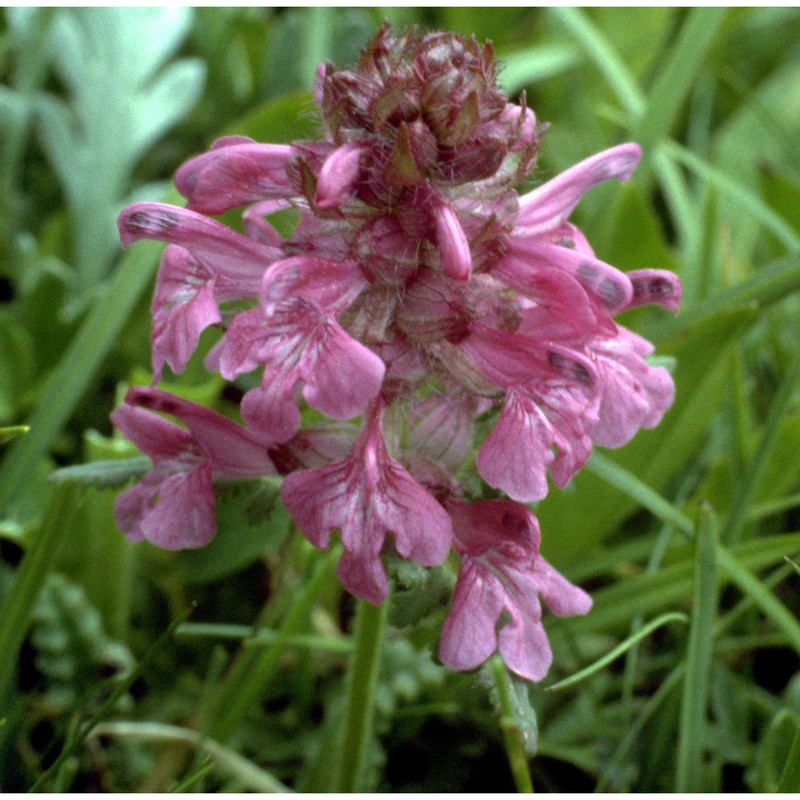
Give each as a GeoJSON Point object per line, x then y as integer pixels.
{"type": "Point", "coordinates": [548, 206]}
{"type": "Point", "coordinates": [633, 395]}
{"type": "Point", "coordinates": [501, 570]}
{"type": "Point", "coordinates": [173, 505]}
{"type": "Point", "coordinates": [183, 306]}
{"type": "Point", "coordinates": [366, 496]}
{"type": "Point", "coordinates": [233, 172]}
{"type": "Point", "coordinates": [237, 261]}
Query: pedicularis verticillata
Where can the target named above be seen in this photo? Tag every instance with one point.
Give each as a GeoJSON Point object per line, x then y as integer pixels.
{"type": "Point", "coordinates": [417, 293]}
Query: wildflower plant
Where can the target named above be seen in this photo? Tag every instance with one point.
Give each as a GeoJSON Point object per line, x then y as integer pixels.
{"type": "Point", "coordinates": [422, 319]}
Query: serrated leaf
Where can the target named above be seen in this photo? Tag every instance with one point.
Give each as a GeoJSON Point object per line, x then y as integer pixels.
{"type": "Point", "coordinates": [250, 520]}
{"type": "Point", "coordinates": [110, 474]}
{"type": "Point", "coordinates": [425, 592]}
{"type": "Point", "coordinates": [118, 105]}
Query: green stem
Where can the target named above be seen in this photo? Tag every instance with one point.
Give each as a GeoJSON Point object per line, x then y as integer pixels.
{"type": "Point", "coordinates": [362, 683]}
{"type": "Point", "coordinates": [512, 735]}
{"type": "Point", "coordinates": [255, 667]}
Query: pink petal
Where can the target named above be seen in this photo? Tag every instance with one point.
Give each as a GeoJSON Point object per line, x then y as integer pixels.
{"type": "Point", "coordinates": [153, 435]}
{"type": "Point", "coordinates": [237, 260]}
{"type": "Point", "coordinates": [231, 450]}
{"type": "Point", "coordinates": [331, 286]}
{"type": "Point", "coordinates": [523, 643]}
{"type": "Point", "coordinates": [515, 456]}
{"type": "Point", "coordinates": [634, 395]}
{"type": "Point", "coordinates": [609, 287]}
{"type": "Point", "coordinates": [453, 245]}
{"type": "Point", "coordinates": [183, 306]}
{"type": "Point", "coordinates": [550, 204]}
{"type": "Point", "coordinates": [468, 633]}
{"type": "Point", "coordinates": [235, 173]}
{"type": "Point", "coordinates": [271, 408]}
{"type": "Point", "coordinates": [183, 515]}
{"type": "Point", "coordinates": [341, 375]}
{"type": "Point", "coordinates": [338, 176]}
{"type": "Point", "coordinates": [562, 598]}
{"type": "Point", "coordinates": [655, 286]}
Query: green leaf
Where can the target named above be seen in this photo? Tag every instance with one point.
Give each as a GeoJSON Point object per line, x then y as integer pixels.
{"type": "Point", "coordinates": [696, 683]}
{"type": "Point", "coordinates": [121, 100]}
{"type": "Point", "coordinates": [251, 519]}
{"type": "Point", "coordinates": [778, 758]}
{"type": "Point", "coordinates": [110, 473]}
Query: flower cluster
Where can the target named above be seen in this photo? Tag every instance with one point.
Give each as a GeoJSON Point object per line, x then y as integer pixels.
{"type": "Point", "coordinates": [418, 292]}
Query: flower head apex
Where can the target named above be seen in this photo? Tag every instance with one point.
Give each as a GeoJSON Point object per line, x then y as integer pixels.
{"type": "Point", "coordinates": [441, 323]}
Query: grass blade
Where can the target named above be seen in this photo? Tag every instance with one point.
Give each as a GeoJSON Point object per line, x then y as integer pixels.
{"type": "Point", "coordinates": [696, 686]}
{"type": "Point", "coordinates": [619, 650]}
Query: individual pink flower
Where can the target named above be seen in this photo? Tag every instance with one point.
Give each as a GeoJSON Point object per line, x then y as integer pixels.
{"type": "Point", "coordinates": [366, 496]}
{"type": "Point", "coordinates": [295, 337]}
{"type": "Point", "coordinates": [501, 573]}
{"type": "Point", "coordinates": [172, 506]}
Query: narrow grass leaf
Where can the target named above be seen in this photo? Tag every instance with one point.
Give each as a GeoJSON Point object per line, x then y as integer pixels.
{"type": "Point", "coordinates": [696, 685]}
{"type": "Point", "coordinates": [522, 68]}
{"type": "Point", "coordinates": [627, 482]}
{"type": "Point", "coordinates": [748, 583]}
{"type": "Point", "coordinates": [677, 76]}
{"type": "Point", "coordinates": [602, 53]}
{"type": "Point", "coordinates": [619, 650]}
{"type": "Point", "coordinates": [790, 777]}
{"type": "Point", "coordinates": [29, 579]}
{"type": "Point", "coordinates": [251, 776]}
{"type": "Point", "coordinates": [741, 194]}
{"type": "Point", "coordinates": [85, 354]}
{"type": "Point", "coordinates": [122, 688]}
{"type": "Point", "coordinates": [745, 491]}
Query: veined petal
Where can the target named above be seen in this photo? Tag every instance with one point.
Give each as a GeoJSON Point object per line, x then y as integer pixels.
{"type": "Point", "coordinates": [183, 515]}
{"type": "Point", "coordinates": [153, 435]}
{"type": "Point", "coordinates": [633, 395]}
{"type": "Point", "coordinates": [366, 496]}
{"type": "Point", "coordinates": [515, 456]}
{"type": "Point", "coordinates": [235, 172]}
{"type": "Point", "coordinates": [468, 633]}
{"type": "Point", "coordinates": [184, 305]}
{"type": "Point", "coordinates": [563, 598]}
{"type": "Point", "coordinates": [331, 286]}
{"type": "Point", "coordinates": [512, 359]}
{"type": "Point", "coordinates": [231, 450]}
{"type": "Point", "coordinates": [550, 204]}
{"type": "Point", "coordinates": [342, 376]}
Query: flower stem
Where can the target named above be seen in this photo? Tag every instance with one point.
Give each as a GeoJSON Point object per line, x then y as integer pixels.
{"type": "Point", "coordinates": [362, 682]}
{"type": "Point", "coordinates": [513, 737]}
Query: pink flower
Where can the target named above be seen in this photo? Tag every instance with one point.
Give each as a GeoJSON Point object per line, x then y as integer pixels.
{"type": "Point", "coordinates": [294, 335]}
{"type": "Point", "coordinates": [443, 321]}
{"type": "Point", "coordinates": [172, 506]}
{"type": "Point", "coordinates": [502, 571]}
{"type": "Point", "coordinates": [366, 496]}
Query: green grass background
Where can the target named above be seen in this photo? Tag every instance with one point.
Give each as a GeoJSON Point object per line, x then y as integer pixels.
{"type": "Point", "coordinates": [684, 677]}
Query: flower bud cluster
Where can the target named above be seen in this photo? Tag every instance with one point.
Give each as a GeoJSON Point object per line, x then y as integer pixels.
{"type": "Point", "coordinates": [417, 293]}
